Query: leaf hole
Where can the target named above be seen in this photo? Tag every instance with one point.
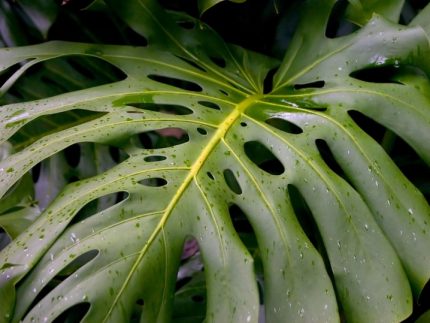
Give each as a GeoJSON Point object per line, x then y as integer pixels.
{"type": "Point", "coordinates": [328, 157]}
{"type": "Point", "coordinates": [98, 205]}
{"type": "Point", "coordinates": [337, 25]}
{"type": "Point", "coordinates": [232, 182]}
{"type": "Point", "coordinates": [163, 138]}
{"type": "Point", "coordinates": [268, 81]}
{"type": "Point", "coordinates": [219, 61]}
{"type": "Point", "coordinates": [210, 175]}
{"type": "Point", "coordinates": [311, 85]}
{"type": "Point", "coordinates": [261, 156]}
{"type": "Point", "coordinates": [37, 128]}
{"type": "Point", "coordinates": [306, 219]}
{"type": "Point", "coordinates": [202, 131]}
{"type": "Point", "coordinates": [73, 314]}
{"type": "Point", "coordinates": [243, 124]}
{"type": "Point", "coordinates": [153, 182]}
{"type": "Point", "coordinates": [154, 158]}
{"type": "Point", "coordinates": [163, 108]}
{"type": "Point", "coordinates": [368, 125]}
{"type": "Point", "coordinates": [73, 155]}
{"type": "Point", "coordinates": [78, 262]}
{"type": "Point", "coordinates": [191, 63]}
{"type": "Point", "coordinates": [382, 74]}
{"type": "Point", "coordinates": [209, 105]}
{"type": "Point", "coordinates": [284, 125]}
{"type": "Point", "coordinates": [224, 92]}
{"type": "Point", "coordinates": [178, 83]}
{"type": "Point", "coordinates": [140, 302]}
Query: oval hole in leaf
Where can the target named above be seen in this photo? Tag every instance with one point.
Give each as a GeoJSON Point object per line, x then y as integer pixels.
{"type": "Point", "coordinates": [210, 175]}
{"type": "Point", "coordinates": [99, 204]}
{"type": "Point", "coordinates": [232, 182]}
{"type": "Point", "coordinates": [163, 108]}
{"type": "Point", "coordinates": [163, 138]}
{"type": "Point", "coordinates": [305, 217]}
{"type": "Point", "coordinates": [328, 157]}
{"type": "Point", "coordinates": [337, 25]}
{"type": "Point", "coordinates": [209, 105]}
{"type": "Point", "coordinates": [39, 127]}
{"type": "Point", "coordinates": [191, 63]}
{"type": "Point", "coordinates": [224, 92]}
{"type": "Point", "coordinates": [78, 262]}
{"type": "Point", "coordinates": [261, 156]}
{"type": "Point", "coordinates": [311, 85]}
{"type": "Point", "coordinates": [154, 158]}
{"type": "Point", "coordinates": [284, 125]}
{"type": "Point", "coordinates": [202, 131]}
{"type": "Point", "coordinates": [268, 81]}
{"type": "Point", "coordinates": [381, 74]}
{"type": "Point", "coordinates": [153, 182]}
{"type": "Point", "coordinates": [182, 84]}
{"type": "Point", "coordinates": [73, 314]}
{"type": "Point", "coordinates": [73, 155]}
{"type": "Point", "coordinates": [368, 125]}
{"type": "Point", "coordinates": [219, 61]}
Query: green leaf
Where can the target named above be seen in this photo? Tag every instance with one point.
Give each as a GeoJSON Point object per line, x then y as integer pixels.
{"type": "Point", "coordinates": [207, 4]}
{"type": "Point", "coordinates": [361, 11]}
{"type": "Point", "coordinates": [114, 235]}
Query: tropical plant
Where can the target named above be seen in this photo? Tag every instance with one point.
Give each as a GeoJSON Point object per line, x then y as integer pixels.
{"type": "Point", "coordinates": [269, 166]}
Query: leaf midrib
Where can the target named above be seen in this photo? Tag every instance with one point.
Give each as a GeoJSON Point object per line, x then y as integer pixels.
{"type": "Point", "coordinates": [194, 170]}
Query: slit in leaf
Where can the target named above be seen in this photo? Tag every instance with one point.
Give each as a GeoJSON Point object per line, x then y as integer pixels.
{"type": "Point", "coordinates": [219, 61]}
{"type": "Point", "coordinates": [153, 182]}
{"type": "Point", "coordinates": [224, 92]}
{"type": "Point", "coordinates": [45, 125]}
{"type": "Point", "coordinates": [337, 25]}
{"type": "Point", "coordinates": [308, 224]}
{"type": "Point", "coordinates": [191, 63]}
{"type": "Point", "coordinates": [232, 182]}
{"type": "Point", "coordinates": [73, 155]}
{"type": "Point", "coordinates": [284, 125]}
{"type": "Point", "coordinates": [261, 156]}
{"type": "Point", "coordinates": [73, 314]}
{"type": "Point", "coordinates": [154, 158]}
{"type": "Point", "coordinates": [202, 131]}
{"type": "Point", "coordinates": [163, 108]}
{"type": "Point", "coordinates": [268, 81]}
{"type": "Point", "coordinates": [368, 125]}
{"type": "Point", "coordinates": [311, 85]}
{"type": "Point", "coordinates": [163, 138]}
{"type": "Point", "coordinates": [182, 84]}
{"type": "Point", "coordinates": [99, 204]}
{"type": "Point", "coordinates": [381, 74]}
{"type": "Point", "coordinates": [209, 105]}
{"type": "Point", "coordinates": [328, 157]}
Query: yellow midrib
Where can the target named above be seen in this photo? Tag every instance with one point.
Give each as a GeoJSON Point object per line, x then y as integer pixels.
{"type": "Point", "coordinates": [194, 170]}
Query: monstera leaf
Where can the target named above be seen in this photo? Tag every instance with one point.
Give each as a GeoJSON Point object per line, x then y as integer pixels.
{"type": "Point", "coordinates": [241, 142]}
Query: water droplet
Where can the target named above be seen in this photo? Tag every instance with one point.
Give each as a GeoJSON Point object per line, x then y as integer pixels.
{"type": "Point", "coordinates": [302, 312]}
{"type": "Point", "coordinates": [248, 318]}
{"type": "Point", "coordinates": [366, 226]}
{"type": "Point", "coordinates": [339, 246]}
{"type": "Point", "coordinates": [410, 211]}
